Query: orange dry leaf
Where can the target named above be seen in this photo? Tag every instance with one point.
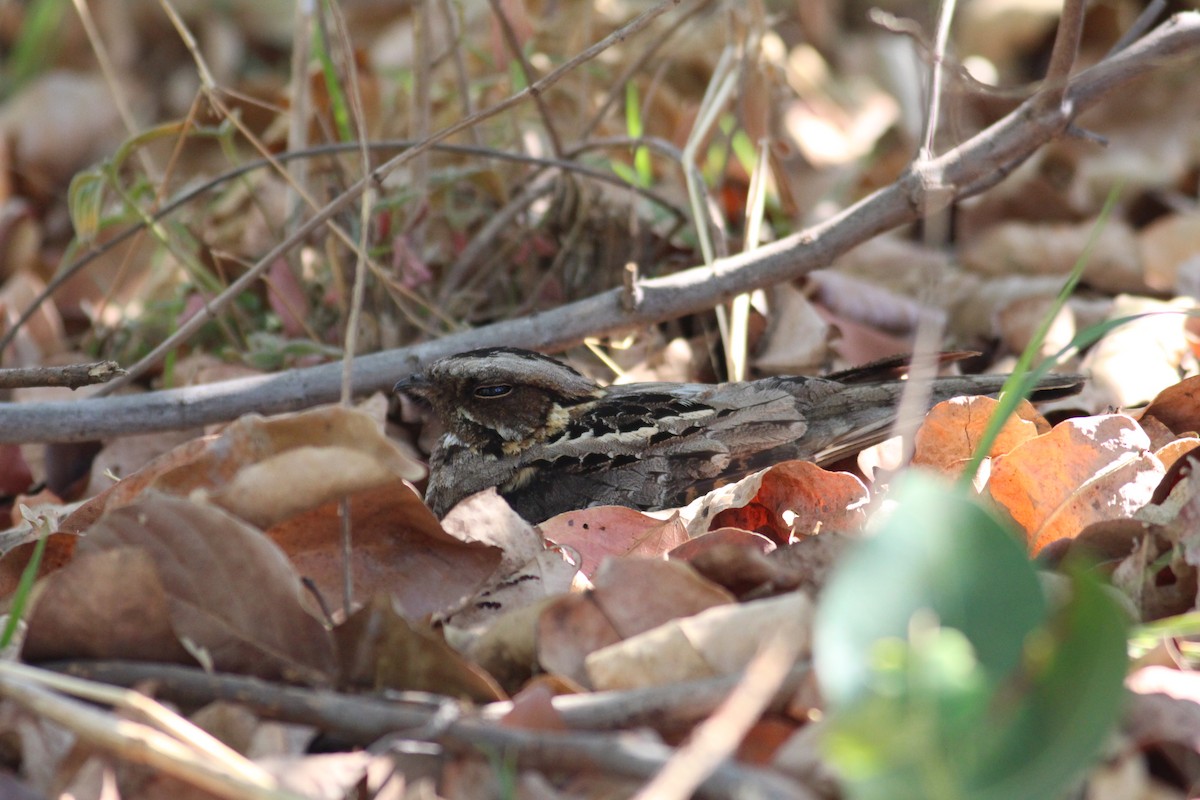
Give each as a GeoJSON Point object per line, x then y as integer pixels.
{"type": "Point", "coordinates": [951, 432]}
{"type": "Point", "coordinates": [787, 501]}
{"type": "Point", "coordinates": [1085, 470]}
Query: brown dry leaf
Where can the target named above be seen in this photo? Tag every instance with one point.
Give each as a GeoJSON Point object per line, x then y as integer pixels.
{"type": "Point", "coordinates": [528, 572]}
{"type": "Point", "coordinates": [764, 739]}
{"type": "Point", "coordinates": [603, 531]}
{"type": "Point", "coordinates": [1154, 574]}
{"type": "Point", "coordinates": [1085, 470]}
{"type": "Point", "coordinates": [18, 542]}
{"type": "Point", "coordinates": [732, 558]}
{"type": "Point", "coordinates": [107, 604]}
{"type": "Point", "coordinates": [267, 469]}
{"type": "Point", "coordinates": [1163, 714]}
{"type": "Point", "coordinates": [1017, 322]}
{"type": "Point", "coordinates": [787, 501]}
{"type": "Point", "coordinates": [567, 630]}
{"type": "Point", "coordinates": [59, 123]}
{"type": "Point", "coordinates": [231, 593]}
{"type": "Point", "coordinates": [398, 549]}
{"type": "Point", "coordinates": [636, 594]}
{"type": "Point", "coordinates": [1178, 406]}
{"type": "Point", "coordinates": [1171, 452]}
{"type": "Point", "coordinates": [718, 641]}
{"type": "Point", "coordinates": [950, 434]}
{"type": "Point", "coordinates": [126, 456]}
{"type": "Point", "coordinates": [128, 489]}
{"type": "Point", "coordinates": [378, 649]}
{"type": "Point", "coordinates": [812, 559]}
{"type": "Point", "coordinates": [533, 709]}
{"type": "Point", "coordinates": [507, 649]}
{"type": "Point", "coordinates": [721, 537]}
{"type": "Point", "coordinates": [15, 475]}
{"type": "Point", "coordinates": [486, 518]}
{"type": "Point", "coordinates": [631, 595]}
{"type": "Point", "coordinates": [550, 573]}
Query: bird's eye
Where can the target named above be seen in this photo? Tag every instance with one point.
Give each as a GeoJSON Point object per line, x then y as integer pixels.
{"type": "Point", "coordinates": [492, 391]}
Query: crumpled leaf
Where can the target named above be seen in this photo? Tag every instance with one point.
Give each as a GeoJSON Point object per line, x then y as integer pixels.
{"type": "Point", "coordinates": [1085, 470]}
{"type": "Point", "coordinates": [787, 501]}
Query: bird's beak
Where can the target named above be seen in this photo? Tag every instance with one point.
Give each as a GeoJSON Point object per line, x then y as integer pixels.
{"type": "Point", "coordinates": [414, 384]}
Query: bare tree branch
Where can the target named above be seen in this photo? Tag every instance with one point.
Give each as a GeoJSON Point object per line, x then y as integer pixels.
{"type": "Point", "coordinates": [71, 376]}
{"type": "Point", "coordinates": [967, 169]}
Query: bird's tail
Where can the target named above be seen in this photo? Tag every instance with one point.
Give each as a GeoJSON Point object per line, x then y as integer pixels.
{"type": "Point", "coordinates": [860, 415]}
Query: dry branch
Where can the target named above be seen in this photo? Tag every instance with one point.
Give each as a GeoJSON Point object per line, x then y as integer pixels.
{"type": "Point", "coordinates": [968, 169]}
{"type": "Point", "coordinates": [71, 376]}
{"type": "Point", "coordinates": [362, 720]}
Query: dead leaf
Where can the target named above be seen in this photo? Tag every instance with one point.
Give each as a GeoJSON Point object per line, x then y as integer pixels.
{"type": "Point", "coordinates": [231, 593]}
{"type": "Point", "coordinates": [1036, 248]}
{"type": "Point", "coordinates": [1178, 406]}
{"type": "Point", "coordinates": [797, 339]}
{"type": "Point", "coordinates": [379, 649]}
{"type": "Point", "coordinates": [1085, 470]}
{"type": "Point", "coordinates": [105, 604]}
{"type": "Point", "coordinates": [718, 641]}
{"type": "Point", "coordinates": [398, 548]}
{"type": "Point", "coordinates": [1166, 244]}
{"type": "Point", "coordinates": [567, 630]}
{"type": "Point", "coordinates": [732, 558]}
{"type": "Point", "coordinates": [787, 501]}
{"type": "Point", "coordinates": [267, 469]}
{"type": "Point", "coordinates": [602, 531]}
{"type": "Point", "coordinates": [635, 594]}
{"type": "Point", "coordinates": [1132, 363]}
{"type": "Point", "coordinates": [951, 432]}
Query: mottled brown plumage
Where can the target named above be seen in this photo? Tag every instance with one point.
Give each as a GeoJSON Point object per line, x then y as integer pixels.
{"type": "Point", "coordinates": [552, 440]}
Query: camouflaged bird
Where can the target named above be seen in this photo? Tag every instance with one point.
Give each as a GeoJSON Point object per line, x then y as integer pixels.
{"type": "Point", "coordinates": [552, 440]}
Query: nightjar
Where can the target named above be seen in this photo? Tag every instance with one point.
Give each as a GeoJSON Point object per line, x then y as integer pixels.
{"type": "Point", "coordinates": [552, 440]}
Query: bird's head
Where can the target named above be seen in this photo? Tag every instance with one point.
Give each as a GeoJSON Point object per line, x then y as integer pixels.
{"type": "Point", "coordinates": [500, 400]}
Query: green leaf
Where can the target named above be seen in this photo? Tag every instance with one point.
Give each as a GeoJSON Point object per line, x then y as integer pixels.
{"type": "Point", "coordinates": [947, 677]}
{"type": "Point", "coordinates": [939, 551]}
{"type": "Point", "coordinates": [1071, 697]}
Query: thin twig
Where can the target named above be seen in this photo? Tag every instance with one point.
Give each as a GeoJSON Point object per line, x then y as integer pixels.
{"type": "Point", "coordinates": [518, 53]}
{"type": "Point", "coordinates": [1063, 54]}
{"type": "Point", "coordinates": [72, 376]}
{"type": "Point", "coordinates": [361, 720]}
